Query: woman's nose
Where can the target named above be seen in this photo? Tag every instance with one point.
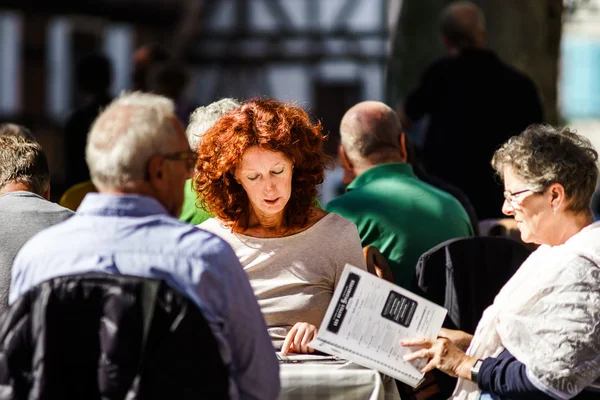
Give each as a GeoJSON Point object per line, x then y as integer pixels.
{"type": "Point", "coordinates": [270, 184]}
{"type": "Point", "coordinates": [507, 209]}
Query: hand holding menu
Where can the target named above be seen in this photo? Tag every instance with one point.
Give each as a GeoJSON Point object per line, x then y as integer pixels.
{"type": "Point", "coordinates": [366, 320]}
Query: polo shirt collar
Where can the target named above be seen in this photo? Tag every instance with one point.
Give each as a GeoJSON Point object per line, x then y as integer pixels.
{"type": "Point", "coordinates": [381, 171]}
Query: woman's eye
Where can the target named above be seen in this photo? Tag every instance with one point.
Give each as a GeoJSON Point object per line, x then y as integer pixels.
{"type": "Point", "coordinates": [277, 172]}
{"type": "Point", "coordinates": [252, 178]}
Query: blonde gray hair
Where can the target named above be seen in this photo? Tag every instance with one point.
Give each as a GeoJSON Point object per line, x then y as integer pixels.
{"type": "Point", "coordinates": [126, 135]}
{"type": "Point", "coordinates": [543, 155]}
{"type": "Point", "coordinates": [205, 117]}
{"type": "Point", "coordinates": [23, 160]}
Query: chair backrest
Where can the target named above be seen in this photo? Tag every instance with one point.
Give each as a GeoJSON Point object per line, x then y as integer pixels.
{"type": "Point", "coordinates": [465, 274]}
{"type": "Point", "coordinates": [377, 264]}
{"type": "Point", "coordinates": [103, 336]}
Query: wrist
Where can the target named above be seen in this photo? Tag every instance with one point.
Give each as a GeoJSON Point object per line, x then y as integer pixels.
{"type": "Point", "coordinates": [466, 366]}
{"type": "Point", "coordinates": [465, 342]}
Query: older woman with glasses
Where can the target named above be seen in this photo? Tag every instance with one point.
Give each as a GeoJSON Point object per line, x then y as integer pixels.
{"type": "Point", "coordinates": [258, 170]}
{"type": "Point", "coordinates": [541, 336]}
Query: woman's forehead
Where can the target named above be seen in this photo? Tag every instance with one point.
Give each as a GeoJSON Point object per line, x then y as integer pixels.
{"type": "Point", "coordinates": [511, 177]}
{"type": "Point", "coordinates": [258, 156]}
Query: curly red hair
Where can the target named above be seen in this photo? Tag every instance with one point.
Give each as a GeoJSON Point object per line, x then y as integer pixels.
{"type": "Point", "coordinates": [272, 125]}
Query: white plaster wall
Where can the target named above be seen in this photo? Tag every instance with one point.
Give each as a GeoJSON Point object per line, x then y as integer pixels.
{"type": "Point", "coordinates": [10, 62]}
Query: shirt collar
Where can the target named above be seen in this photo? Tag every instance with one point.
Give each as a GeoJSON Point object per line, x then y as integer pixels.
{"type": "Point", "coordinates": [21, 193]}
{"type": "Point", "coordinates": [380, 171]}
{"type": "Point", "coordinates": [125, 205]}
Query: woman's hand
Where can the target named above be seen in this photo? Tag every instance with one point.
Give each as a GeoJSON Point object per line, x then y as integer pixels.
{"type": "Point", "coordinates": [442, 354]}
{"type": "Point", "coordinates": [461, 339]}
{"type": "Point", "coordinates": [298, 338]}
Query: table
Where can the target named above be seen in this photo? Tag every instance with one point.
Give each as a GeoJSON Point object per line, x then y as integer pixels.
{"type": "Point", "coordinates": [332, 378]}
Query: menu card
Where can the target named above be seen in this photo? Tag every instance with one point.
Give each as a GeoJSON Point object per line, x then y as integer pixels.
{"type": "Point", "coordinates": [366, 320]}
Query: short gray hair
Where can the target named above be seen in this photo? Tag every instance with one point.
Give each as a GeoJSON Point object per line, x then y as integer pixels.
{"type": "Point", "coordinates": [16, 129]}
{"type": "Point", "coordinates": [24, 161]}
{"type": "Point", "coordinates": [368, 138]}
{"type": "Point", "coordinates": [205, 117]}
{"type": "Point", "coordinates": [126, 135]}
{"type": "Point", "coordinates": [543, 155]}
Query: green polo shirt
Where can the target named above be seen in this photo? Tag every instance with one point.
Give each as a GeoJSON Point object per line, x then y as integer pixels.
{"type": "Point", "coordinates": [196, 215]}
{"type": "Point", "coordinates": [189, 212]}
{"type": "Point", "coordinates": [400, 215]}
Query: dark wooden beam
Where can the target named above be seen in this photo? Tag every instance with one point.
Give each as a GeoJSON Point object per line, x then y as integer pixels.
{"type": "Point", "coordinates": [153, 12]}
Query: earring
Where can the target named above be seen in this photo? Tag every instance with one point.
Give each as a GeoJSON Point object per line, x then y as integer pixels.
{"type": "Point", "coordinates": [554, 209]}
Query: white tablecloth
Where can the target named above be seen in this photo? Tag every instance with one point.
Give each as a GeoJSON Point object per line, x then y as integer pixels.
{"type": "Point", "coordinates": [333, 379]}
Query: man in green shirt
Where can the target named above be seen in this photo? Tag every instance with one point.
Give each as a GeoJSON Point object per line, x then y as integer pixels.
{"type": "Point", "coordinates": [394, 211]}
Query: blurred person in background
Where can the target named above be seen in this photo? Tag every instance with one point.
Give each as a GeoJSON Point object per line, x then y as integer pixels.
{"type": "Point", "coordinates": [475, 102]}
{"type": "Point", "coordinates": [170, 79]}
{"type": "Point", "coordinates": [139, 160]}
{"type": "Point", "coordinates": [540, 339]}
{"type": "Point", "coordinates": [93, 76]}
{"type": "Point", "coordinates": [143, 59]}
{"type": "Point", "coordinates": [200, 121]}
{"type": "Point", "coordinates": [258, 170]}
{"type": "Point", "coordinates": [412, 157]}
{"type": "Point", "coordinates": [25, 208]}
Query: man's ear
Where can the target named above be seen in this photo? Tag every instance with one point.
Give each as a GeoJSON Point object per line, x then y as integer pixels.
{"type": "Point", "coordinates": [346, 164]}
{"type": "Point", "coordinates": [343, 159]}
{"type": "Point", "coordinates": [46, 194]}
{"type": "Point", "coordinates": [156, 171]}
{"type": "Point", "coordinates": [402, 147]}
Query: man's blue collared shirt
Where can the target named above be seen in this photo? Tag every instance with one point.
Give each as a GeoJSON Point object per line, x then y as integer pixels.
{"type": "Point", "coordinates": [133, 235]}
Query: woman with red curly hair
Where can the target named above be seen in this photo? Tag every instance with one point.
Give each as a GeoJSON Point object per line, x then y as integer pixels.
{"type": "Point", "coordinates": [258, 170]}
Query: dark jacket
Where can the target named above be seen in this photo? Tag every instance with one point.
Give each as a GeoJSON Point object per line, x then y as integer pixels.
{"type": "Point", "coordinates": [100, 336]}
{"type": "Point", "coordinates": [475, 103]}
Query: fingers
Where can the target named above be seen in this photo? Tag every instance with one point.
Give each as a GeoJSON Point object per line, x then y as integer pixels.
{"type": "Point", "coordinates": [418, 342]}
{"type": "Point", "coordinates": [441, 354]}
{"type": "Point", "coordinates": [298, 338]}
{"type": "Point", "coordinates": [310, 334]}
{"type": "Point", "coordinates": [432, 364]}
{"type": "Point", "coordinates": [285, 348]}
{"type": "Point", "coordinates": [444, 332]}
{"type": "Point", "coordinates": [423, 353]}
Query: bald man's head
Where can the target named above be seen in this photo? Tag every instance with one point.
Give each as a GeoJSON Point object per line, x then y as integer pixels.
{"type": "Point", "coordinates": [463, 25]}
{"type": "Point", "coordinates": [370, 133]}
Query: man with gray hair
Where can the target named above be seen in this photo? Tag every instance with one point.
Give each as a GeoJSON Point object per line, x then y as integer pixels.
{"type": "Point", "coordinates": [25, 208]}
{"type": "Point", "coordinates": [139, 159]}
{"type": "Point", "coordinates": [474, 101]}
{"type": "Point", "coordinates": [394, 211]}
{"type": "Point", "coordinates": [200, 121]}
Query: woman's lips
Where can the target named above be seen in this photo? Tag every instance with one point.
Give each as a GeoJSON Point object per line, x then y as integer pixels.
{"type": "Point", "coordinates": [272, 202]}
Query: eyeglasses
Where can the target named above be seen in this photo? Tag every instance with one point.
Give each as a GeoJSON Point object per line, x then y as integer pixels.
{"type": "Point", "coordinates": [190, 157]}
{"type": "Point", "coordinates": [512, 197]}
